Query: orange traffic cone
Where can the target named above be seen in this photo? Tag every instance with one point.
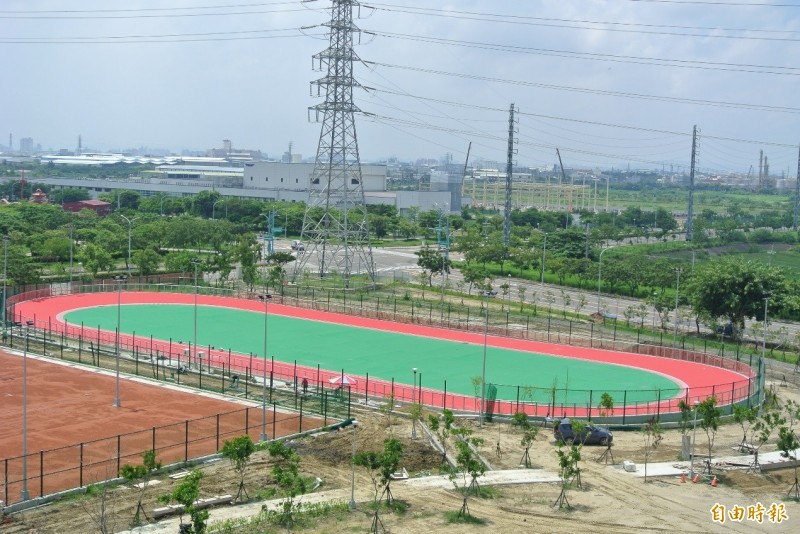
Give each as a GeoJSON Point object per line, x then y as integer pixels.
{"type": "Point", "coordinates": [683, 477]}
{"type": "Point", "coordinates": [696, 478]}
{"type": "Point", "coordinates": [714, 482]}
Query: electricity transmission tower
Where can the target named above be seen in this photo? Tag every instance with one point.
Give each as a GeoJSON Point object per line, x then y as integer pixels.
{"type": "Point", "coordinates": [509, 177]}
{"type": "Point", "coordinates": [335, 227]}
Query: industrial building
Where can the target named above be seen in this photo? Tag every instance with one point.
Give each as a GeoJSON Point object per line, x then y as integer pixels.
{"type": "Point", "coordinates": [268, 181]}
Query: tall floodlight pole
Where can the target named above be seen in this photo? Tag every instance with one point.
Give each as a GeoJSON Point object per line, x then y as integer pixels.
{"type": "Point", "coordinates": [71, 228]}
{"type": "Point", "coordinates": [5, 281]}
{"type": "Point", "coordinates": [677, 292]}
{"type": "Point", "coordinates": [24, 492]}
{"type": "Point", "coordinates": [764, 344]}
{"type": "Point", "coordinates": [335, 223]}
{"type": "Point", "coordinates": [486, 295]}
{"type": "Point", "coordinates": [214, 208]}
{"type": "Point", "coordinates": [118, 280]}
{"type": "Point", "coordinates": [265, 297]}
{"type": "Point", "coordinates": [443, 238]}
{"type": "Point", "coordinates": [196, 263]}
{"type": "Point", "coordinates": [694, 435]}
{"type": "Point", "coordinates": [130, 225]}
{"type": "Point", "coordinates": [414, 402]}
{"type": "Point", "coordinates": [600, 276]}
{"type": "Point", "coordinates": [353, 470]}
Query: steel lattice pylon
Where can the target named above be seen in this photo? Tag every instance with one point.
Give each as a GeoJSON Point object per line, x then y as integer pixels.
{"type": "Point", "coordinates": [335, 226]}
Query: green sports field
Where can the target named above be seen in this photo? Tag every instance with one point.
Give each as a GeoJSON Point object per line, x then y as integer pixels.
{"type": "Point", "coordinates": [382, 354]}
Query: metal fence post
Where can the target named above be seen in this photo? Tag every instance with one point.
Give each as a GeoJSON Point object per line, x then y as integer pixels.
{"type": "Point", "coordinates": [274, 412]}
{"type": "Point", "coordinates": [80, 467]}
{"type": "Point", "coordinates": [186, 442]}
{"type": "Point", "coordinates": [658, 406]}
{"type": "Point", "coordinates": [624, 405]}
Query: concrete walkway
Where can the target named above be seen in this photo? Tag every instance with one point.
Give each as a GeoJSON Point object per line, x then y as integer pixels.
{"type": "Point", "coordinates": [768, 461]}
{"type": "Point", "coordinates": [223, 513]}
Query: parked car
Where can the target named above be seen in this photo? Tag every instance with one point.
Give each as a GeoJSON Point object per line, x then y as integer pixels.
{"type": "Point", "coordinates": [591, 435]}
{"type": "Point", "coordinates": [298, 245]}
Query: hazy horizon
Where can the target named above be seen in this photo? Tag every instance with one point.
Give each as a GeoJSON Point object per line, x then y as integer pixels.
{"type": "Point", "coordinates": [609, 83]}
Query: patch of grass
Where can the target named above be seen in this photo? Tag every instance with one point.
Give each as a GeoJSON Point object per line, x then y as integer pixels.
{"type": "Point", "coordinates": [489, 492]}
{"type": "Point", "coordinates": [307, 516]}
{"type": "Point", "coordinates": [266, 494]}
{"type": "Point", "coordinates": [398, 507]}
{"type": "Point", "coordinates": [455, 517]}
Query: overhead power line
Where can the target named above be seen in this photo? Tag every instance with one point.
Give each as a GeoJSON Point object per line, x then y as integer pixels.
{"type": "Point", "coordinates": [727, 4]}
{"type": "Point", "coordinates": [579, 24]}
{"type": "Point", "coordinates": [141, 9]}
{"type": "Point", "coordinates": [613, 58]}
{"type": "Point", "coordinates": [147, 15]}
{"type": "Point", "coordinates": [584, 121]}
{"type": "Point", "coordinates": [603, 92]}
{"type": "Point", "coordinates": [154, 38]}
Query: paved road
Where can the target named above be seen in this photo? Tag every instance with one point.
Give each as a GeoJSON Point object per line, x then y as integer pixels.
{"type": "Point", "coordinates": [403, 261]}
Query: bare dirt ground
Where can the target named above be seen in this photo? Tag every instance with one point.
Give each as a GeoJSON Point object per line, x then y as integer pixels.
{"type": "Point", "coordinates": [610, 500]}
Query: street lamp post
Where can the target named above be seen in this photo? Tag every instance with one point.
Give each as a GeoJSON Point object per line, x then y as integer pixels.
{"type": "Point", "coordinates": [5, 280]}
{"type": "Point", "coordinates": [130, 225]}
{"type": "Point", "coordinates": [353, 472]}
{"type": "Point", "coordinates": [265, 297]}
{"type": "Point", "coordinates": [677, 290]}
{"type": "Point", "coordinates": [508, 295]}
{"type": "Point", "coordinates": [544, 253]}
{"type": "Point", "coordinates": [600, 276]}
{"type": "Point", "coordinates": [71, 227]}
{"type": "Point", "coordinates": [118, 280]}
{"type": "Point", "coordinates": [196, 263]}
{"type": "Point", "coordinates": [24, 492]}
{"type": "Point", "coordinates": [413, 403]}
{"type": "Point", "coordinates": [694, 434]}
{"type": "Point", "coordinates": [214, 208]}
{"type": "Point", "coordinates": [486, 295]}
{"type": "Point", "coordinates": [764, 345]}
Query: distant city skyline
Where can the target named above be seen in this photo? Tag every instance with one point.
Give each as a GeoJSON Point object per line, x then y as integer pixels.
{"type": "Point", "coordinates": [610, 84]}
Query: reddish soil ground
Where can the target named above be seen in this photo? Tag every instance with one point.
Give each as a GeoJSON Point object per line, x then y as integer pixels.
{"type": "Point", "coordinates": [84, 438]}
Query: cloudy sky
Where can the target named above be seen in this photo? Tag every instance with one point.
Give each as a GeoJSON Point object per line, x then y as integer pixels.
{"type": "Point", "coordinates": [609, 83]}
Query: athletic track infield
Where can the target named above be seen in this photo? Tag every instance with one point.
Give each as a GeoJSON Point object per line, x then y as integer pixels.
{"type": "Point", "coordinates": [318, 346]}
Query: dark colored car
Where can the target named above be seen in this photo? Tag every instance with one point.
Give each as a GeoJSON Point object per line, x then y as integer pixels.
{"type": "Point", "coordinates": [591, 435]}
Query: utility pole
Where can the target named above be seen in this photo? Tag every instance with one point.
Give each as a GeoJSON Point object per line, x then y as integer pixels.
{"type": "Point", "coordinates": [690, 211]}
{"type": "Point", "coordinates": [509, 176]}
{"type": "Point", "coordinates": [564, 179]}
{"type": "Point", "coordinates": [797, 191]}
{"type": "Point", "coordinates": [335, 224]}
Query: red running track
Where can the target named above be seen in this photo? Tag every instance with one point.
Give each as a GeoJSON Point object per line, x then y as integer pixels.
{"type": "Point", "coordinates": [700, 380]}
